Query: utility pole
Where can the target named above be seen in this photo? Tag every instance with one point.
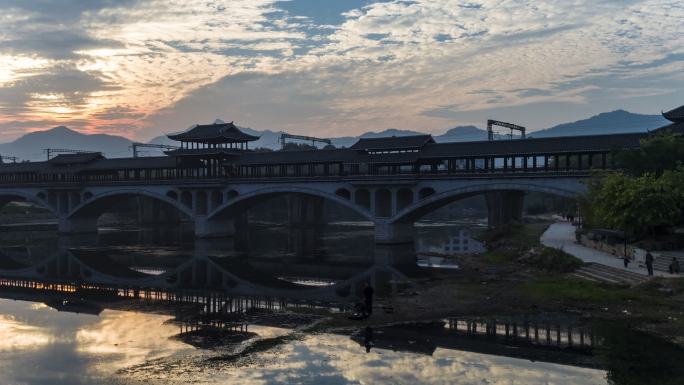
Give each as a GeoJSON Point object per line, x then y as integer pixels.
{"type": "Point", "coordinates": [313, 140]}
{"type": "Point", "coordinates": [14, 159]}
{"type": "Point", "coordinates": [490, 132]}
{"type": "Point", "coordinates": [51, 151]}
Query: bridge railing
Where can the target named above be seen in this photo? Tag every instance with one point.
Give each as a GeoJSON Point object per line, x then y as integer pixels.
{"type": "Point", "coordinates": [104, 180]}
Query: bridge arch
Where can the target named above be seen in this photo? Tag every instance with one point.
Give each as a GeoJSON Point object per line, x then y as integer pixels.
{"type": "Point", "coordinates": [99, 203]}
{"type": "Point", "coordinates": [241, 202]}
{"type": "Point", "coordinates": [7, 196]}
{"type": "Point", "coordinates": [434, 201]}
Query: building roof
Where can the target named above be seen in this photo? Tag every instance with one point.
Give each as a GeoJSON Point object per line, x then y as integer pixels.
{"type": "Point", "coordinates": [21, 167]}
{"type": "Point", "coordinates": [321, 156]}
{"type": "Point", "coordinates": [131, 163]}
{"type": "Point", "coordinates": [389, 143]}
{"type": "Point", "coordinates": [80, 158]}
{"type": "Point", "coordinates": [292, 157]}
{"type": "Point", "coordinates": [214, 133]}
{"type": "Point", "coordinates": [539, 146]}
{"type": "Point", "coordinates": [675, 115]}
{"type": "Point", "coordinates": [675, 128]}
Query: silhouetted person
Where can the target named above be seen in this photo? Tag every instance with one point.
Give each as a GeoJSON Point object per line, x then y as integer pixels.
{"type": "Point", "coordinates": [674, 266]}
{"type": "Point", "coordinates": [368, 339]}
{"type": "Point", "coordinates": [649, 262]}
{"type": "Point", "coordinates": [626, 261]}
{"type": "Point", "coordinates": [368, 297]}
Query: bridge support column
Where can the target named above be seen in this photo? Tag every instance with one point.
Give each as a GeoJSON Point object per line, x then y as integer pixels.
{"type": "Point", "coordinates": [214, 228]}
{"type": "Point", "coordinates": [153, 212]}
{"type": "Point", "coordinates": [393, 233]}
{"type": "Point", "coordinates": [393, 255]}
{"type": "Point", "coordinates": [77, 225]}
{"type": "Point", "coordinates": [504, 207]}
{"type": "Point", "coordinates": [305, 210]}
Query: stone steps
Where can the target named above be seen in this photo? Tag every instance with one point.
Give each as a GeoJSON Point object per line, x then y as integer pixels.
{"type": "Point", "coordinates": [621, 274]}
{"type": "Point", "coordinates": [662, 262]}
{"type": "Point", "coordinates": [601, 273]}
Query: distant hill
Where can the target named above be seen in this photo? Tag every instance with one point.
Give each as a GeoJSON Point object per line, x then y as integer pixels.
{"type": "Point", "coordinates": [619, 121]}
{"type": "Point", "coordinates": [30, 146]}
{"type": "Point", "coordinates": [348, 141]}
{"type": "Point", "coordinates": [462, 134]}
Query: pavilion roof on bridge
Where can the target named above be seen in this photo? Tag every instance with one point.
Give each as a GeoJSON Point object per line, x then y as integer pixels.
{"type": "Point", "coordinates": [214, 133]}
{"type": "Point", "coordinates": [675, 115]}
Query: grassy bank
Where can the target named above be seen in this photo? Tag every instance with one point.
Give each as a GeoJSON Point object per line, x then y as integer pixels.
{"type": "Point", "coordinates": [518, 275]}
{"type": "Point", "coordinates": [519, 244]}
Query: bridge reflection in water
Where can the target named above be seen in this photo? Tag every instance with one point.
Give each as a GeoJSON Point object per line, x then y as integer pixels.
{"type": "Point", "coordinates": [211, 313]}
{"type": "Point", "coordinates": [222, 292]}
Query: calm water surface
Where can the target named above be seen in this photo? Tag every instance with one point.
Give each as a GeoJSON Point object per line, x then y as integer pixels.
{"type": "Point", "coordinates": [76, 311]}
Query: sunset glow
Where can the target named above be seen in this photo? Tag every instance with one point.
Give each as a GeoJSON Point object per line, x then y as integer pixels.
{"type": "Point", "coordinates": [140, 68]}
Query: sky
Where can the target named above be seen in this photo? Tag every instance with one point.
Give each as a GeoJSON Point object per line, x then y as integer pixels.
{"type": "Point", "coordinates": [332, 68]}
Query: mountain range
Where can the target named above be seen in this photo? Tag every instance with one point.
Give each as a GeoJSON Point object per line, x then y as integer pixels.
{"type": "Point", "coordinates": [31, 145]}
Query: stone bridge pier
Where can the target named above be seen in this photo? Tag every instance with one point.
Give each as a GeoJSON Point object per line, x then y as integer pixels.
{"type": "Point", "coordinates": [218, 228]}
{"type": "Point", "coordinates": [152, 212]}
{"type": "Point", "coordinates": [389, 233]}
{"type": "Point", "coordinates": [504, 207]}
{"type": "Point", "coordinates": [304, 210]}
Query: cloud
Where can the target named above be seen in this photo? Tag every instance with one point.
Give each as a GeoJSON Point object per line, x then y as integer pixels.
{"type": "Point", "coordinates": [53, 44]}
{"type": "Point", "coordinates": [338, 68]}
{"type": "Point", "coordinates": [54, 88]}
{"type": "Point", "coordinates": [118, 112]}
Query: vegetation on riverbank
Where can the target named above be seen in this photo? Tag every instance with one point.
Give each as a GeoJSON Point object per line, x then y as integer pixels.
{"type": "Point", "coordinates": [518, 243]}
{"type": "Point", "coordinates": [518, 276]}
{"type": "Point", "coordinates": [647, 196]}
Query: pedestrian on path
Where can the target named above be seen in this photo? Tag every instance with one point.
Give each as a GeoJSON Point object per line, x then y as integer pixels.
{"type": "Point", "coordinates": [649, 262]}
{"type": "Point", "coordinates": [626, 261]}
{"type": "Point", "coordinates": [674, 266]}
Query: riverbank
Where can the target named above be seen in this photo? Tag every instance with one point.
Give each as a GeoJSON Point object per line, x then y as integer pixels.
{"type": "Point", "coordinates": [519, 276]}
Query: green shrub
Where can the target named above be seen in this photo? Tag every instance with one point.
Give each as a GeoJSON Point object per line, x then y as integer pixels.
{"type": "Point", "coordinates": [554, 260]}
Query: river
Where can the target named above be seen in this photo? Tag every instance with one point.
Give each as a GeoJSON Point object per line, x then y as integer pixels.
{"type": "Point", "coordinates": [155, 306]}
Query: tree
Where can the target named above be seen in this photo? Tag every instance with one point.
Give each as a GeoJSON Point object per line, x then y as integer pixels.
{"type": "Point", "coordinates": [636, 205]}
{"type": "Point", "coordinates": [657, 154]}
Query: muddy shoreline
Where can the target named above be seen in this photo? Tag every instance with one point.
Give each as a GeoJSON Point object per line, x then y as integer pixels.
{"type": "Point", "coordinates": [501, 283]}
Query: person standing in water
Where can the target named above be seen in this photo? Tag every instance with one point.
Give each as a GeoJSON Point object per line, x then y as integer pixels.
{"type": "Point", "coordinates": [368, 298]}
{"type": "Point", "coordinates": [368, 339]}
